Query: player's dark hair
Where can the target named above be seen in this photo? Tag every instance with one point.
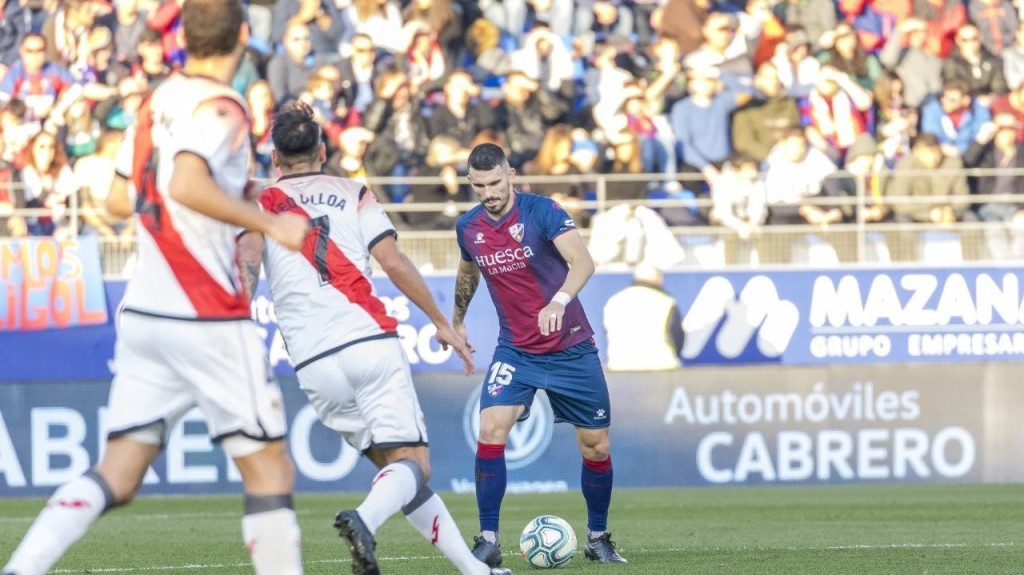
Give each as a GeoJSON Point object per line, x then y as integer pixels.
{"type": "Point", "coordinates": [211, 26]}
{"type": "Point", "coordinates": [295, 133]}
{"type": "Point", "coordinates": [486, 157]}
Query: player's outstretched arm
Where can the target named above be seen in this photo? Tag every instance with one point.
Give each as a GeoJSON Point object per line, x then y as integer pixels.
{"type": "Point", "coordinates": [250, 258]}
{"type": "Point", "coordinates": [408, 280]}
{"type": "Point", "coordinates": [193, 186]}
{"type": "Point", "coordinates": [581, 266]}
{"type": "Point", "coordinates": [119, 202]}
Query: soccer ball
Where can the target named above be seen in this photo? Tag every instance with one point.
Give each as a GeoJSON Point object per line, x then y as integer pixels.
{"type": "Point", "coordinates": [548, 542]}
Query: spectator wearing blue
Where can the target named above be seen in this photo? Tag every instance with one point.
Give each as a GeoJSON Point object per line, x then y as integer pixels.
{"type": "Point", "coordinates": [15, 22]}
{"type": "Point", "coordinates": [34, 80]}
{"type": "Point", "coordinates": [701, 122]}
{"type": "Point", "coordinates": [954, 118]}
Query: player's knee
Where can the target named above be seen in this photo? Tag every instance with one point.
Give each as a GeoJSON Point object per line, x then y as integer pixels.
{"type": "Point", "coordinates": [493, 432]}
{"type": "Point", "coordinates": [415, 457]}
{"type": "Point", "coordinates": [267, 470]}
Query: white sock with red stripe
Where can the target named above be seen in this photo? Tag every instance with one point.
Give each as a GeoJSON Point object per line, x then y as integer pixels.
{"type": "Point", "coordinates": [393, 487]}
{"type": "Point", "coordinates": [67, 517]}
{"type": "Point", "coordinates": [271, 534]}
{"type": "Point", "coordinates": [432, 519]}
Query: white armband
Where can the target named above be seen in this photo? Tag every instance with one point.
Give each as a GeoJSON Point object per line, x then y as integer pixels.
{"type": "Point", "coordinates": [562, 298]}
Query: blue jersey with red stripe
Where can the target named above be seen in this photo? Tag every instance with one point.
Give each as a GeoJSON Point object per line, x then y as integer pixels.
{"type": "Point", "coordinates": [523, 270]}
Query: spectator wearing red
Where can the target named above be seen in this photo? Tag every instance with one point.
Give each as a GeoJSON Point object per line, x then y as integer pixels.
{"type": "Point", "coordinates": [1012, 102]}
{"type": "Point", "coordinates": [167, 21]}
{"type": "Point", "coordinates": [837, 110]}
{"type": "Point", "coordinates": [942, 19]}
{"type": "Point", "coordinates": [34, 80]}
{"type": "Point", "coordinates": [996, 21]}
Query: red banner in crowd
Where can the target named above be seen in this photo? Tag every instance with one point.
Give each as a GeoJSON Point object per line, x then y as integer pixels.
{"type": "Point", "coordinates": [51, 284]}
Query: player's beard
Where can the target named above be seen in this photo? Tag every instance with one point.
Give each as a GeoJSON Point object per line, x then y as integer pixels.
{"type": "Point", "coordinates": [499, 208]}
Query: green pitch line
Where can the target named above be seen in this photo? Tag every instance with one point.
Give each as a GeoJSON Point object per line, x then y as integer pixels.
{"type": "Point", "coordinates": [863, 530]}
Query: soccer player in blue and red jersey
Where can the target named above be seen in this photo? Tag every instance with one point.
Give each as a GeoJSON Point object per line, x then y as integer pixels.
{"type": "Point", "coordinates": [534, 261]}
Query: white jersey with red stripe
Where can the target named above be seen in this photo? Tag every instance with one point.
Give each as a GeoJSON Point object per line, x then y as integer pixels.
{"type": "Point", "coordinates": [187, 266]}
{"type": "Point", "coordinates": [323, 296]}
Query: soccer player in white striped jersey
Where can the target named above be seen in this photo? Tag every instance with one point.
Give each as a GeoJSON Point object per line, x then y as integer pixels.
{"type": "Point", "coordinates": [185, 335]}
{"type": "Point", "coordinates": [344, 345]}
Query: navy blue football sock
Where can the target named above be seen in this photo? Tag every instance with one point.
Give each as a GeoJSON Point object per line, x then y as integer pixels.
{"type": "Point", "coordinates": [596, 482]}
{"type": "Point", "coordinates": [490, 483]}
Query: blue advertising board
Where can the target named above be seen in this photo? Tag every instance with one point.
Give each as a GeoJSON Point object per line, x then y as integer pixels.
{"type": "Point", "coordinates": [799, 317]}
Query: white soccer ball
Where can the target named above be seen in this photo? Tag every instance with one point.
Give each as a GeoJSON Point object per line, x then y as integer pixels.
{"type": "Point", "coordinates": [548, 542]}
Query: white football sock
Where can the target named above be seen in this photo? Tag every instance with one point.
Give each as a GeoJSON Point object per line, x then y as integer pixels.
{"type": "Point", "coordinates": [273, 540]}
{"type": "Point", "coordinates": [66, 518]}
{"type": "Point", "coordinates": [432, 519]}
{"type": "Point", "coordinates": [394, 486]}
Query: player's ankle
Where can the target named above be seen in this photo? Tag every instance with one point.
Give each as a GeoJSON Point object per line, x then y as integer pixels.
{"type": "Point", "coordinates": [490, 536]}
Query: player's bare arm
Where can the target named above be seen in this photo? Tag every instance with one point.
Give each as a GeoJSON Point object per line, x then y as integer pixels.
{"type": "Point", "coordinates": [581, 266]}
{"type": "Point", "coordinates": [250, 258]}
{"type": "Point", "coordinates": [408, 280]}
{"type": "Point", "coordinates": [466, 280]}
{"type": "Point", "coordinates": [119, 202]}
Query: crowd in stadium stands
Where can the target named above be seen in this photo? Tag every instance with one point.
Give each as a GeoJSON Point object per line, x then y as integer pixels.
{"type": "Point", "coordinates": [762, 103]}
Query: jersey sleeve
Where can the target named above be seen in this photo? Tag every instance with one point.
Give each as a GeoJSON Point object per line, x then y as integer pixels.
{"type": "Point", "coordinates": [459, 226]}
{"type": "Point", "coordinates": [554, 220]}
{"type": "Point", "coordinates": [220, 128]}
{"type": "Point", "coordinates": [373, 220]}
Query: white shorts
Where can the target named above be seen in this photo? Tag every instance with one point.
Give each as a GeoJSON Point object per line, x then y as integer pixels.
{"type": "Point", "coordinates": [365, 393]}
{"type": "Point", "coordinates": [164, 367]}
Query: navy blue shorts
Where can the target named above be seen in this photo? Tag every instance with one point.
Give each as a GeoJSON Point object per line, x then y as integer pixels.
{"type": "Point", "coordinates": [572, 378]}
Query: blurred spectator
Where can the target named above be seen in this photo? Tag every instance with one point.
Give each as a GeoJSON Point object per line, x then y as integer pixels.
{"type": "Point", "coordinates": [12, 197]}
{"type": "Point", "coordinates": [701, 121]}
{"type": "Point", "coordinates": [508, 15]}
{"type": "Point", "coordinates": [167, 20]}
{"type": "Point", "coordinates": [289, 71]}
{"type": "Point", "coordinates": [444, 18]}
{"type": "Point", "coordinates": [797, 69]}
{"type": "Point", "coordinates": [323, 19]}
{"type": "Point", "coordinates": [359, 73]}
{"type": "Point", "coordinates": [996, 21]}
{"type": "Point", "coordinates": [381, 20]}
{"type": "Point", "coordinates": [863, 173]}
{"type": "Point", "coordinates": [461, 115]}
{"type": "Point", "coordinates": [545, 59]}
{"type": "Point", "coordinates": [81, 129]}
{"type": "Point", "coordinates": [557, 15]}
{"type": "Point", "coordinates": [261, 19]}
{"type": "Point", "coordinates": [149, 65]}
{"type": "Point", "coordinates": [975, 66]}
{"type": "Point", "coordinates": [1013, 59]}
{"type": "Point", "coordinates": [608, 18]}
{"type": "Point", "coordinates": [348, 161]}
{"type": "Point", "coordinates": [424, 61]}
{"type": "Point", "coordinates": [655, 155]}
{"type": "Point", "coordinates": [49, 182]}
{"type": "Point", "coordinates": [624, 159]}
{"type": "Point", "coordinates": [738, 196]}
{"type": "Point", "coordinates": [815, 17]}
{"type": "Point", "coordinates": [15, 22]}
{"type": "Point", "coordinates": [795, 172]}
{"type": "Point", "coordinates": [838, 110]}
{"type": "Point", "coordinates": [954, 118]}
{"type": "Point", "coordinates": [66, 31]}
{"type": "Point", "coordinates": [928, 173]}
{"type": "Point", "coordinates": [130, 93]}
{"type": "Point", "coordinates": [757, 126]}
{"type": "Point", "coordinates": [554, 159]}
{"type": "Point", "coordinates": [895, 121]}
{"type": "Point", "coordinates": [682, 21]}
{"type": "Point", "coordinates": [725, 48]}
{"type": "Point", "coordinates": [626, 235]}
{"type": "Point", "coordinates": [130, 24]}
{"type": "Point", "coordinates": [942, 18]}
{"type": "Point", "coordinates": [665, 84]}
{"type": "Point", "coordinates": [261, 106]}
{"type": "Point", "coordinates": [904, 52]}
{"type": "Point", "coordinates": [1012, 102]}
{"type": "Point", "coordinates": [524, 114]}
{"type": "Point", "coordinates": [488, 58]}
{"type": "Point", "coordinates": [846, 55]}
{"type": "Point", "coordinates": [870, 24]}
{"type": "Point", "coordinates": [401, 132]}
{"type": "Point", "coordinates": [994, 148]}
{"type": "Point", "coordinates": [444, 155]}
{"type": "Point", "coordinates": [643, 325]}
{"type": "Point", "coordinates": [34, 80]}
{"type": "Point", "coordinates": [17, 131]}
{"type": "Point", "coordinates": [95, 172]}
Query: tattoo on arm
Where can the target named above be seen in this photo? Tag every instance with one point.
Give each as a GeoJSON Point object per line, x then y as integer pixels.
{"type": "Point", "coordinates": [250, 277]}
{"type": "Point", "coordinates": [465, 287]}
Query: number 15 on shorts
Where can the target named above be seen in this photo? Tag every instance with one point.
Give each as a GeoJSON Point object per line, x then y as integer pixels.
{"type": "Point", "coordinates": [501, 373]}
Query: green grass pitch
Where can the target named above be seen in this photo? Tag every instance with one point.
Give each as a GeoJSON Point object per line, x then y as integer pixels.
{"type": "Point", "coordinates": [855, 530]}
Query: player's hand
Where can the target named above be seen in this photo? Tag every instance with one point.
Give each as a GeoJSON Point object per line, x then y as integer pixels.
{"type": "Point", "coordinates": [448, 336]}
{"type": "Point", "coordinates": [549, 320]}
{"type": "Point", "coordinates": [289, 230]}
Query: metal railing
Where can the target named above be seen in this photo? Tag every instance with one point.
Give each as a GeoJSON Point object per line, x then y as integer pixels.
{"type": "Point", "coordinates": [856, 242]}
